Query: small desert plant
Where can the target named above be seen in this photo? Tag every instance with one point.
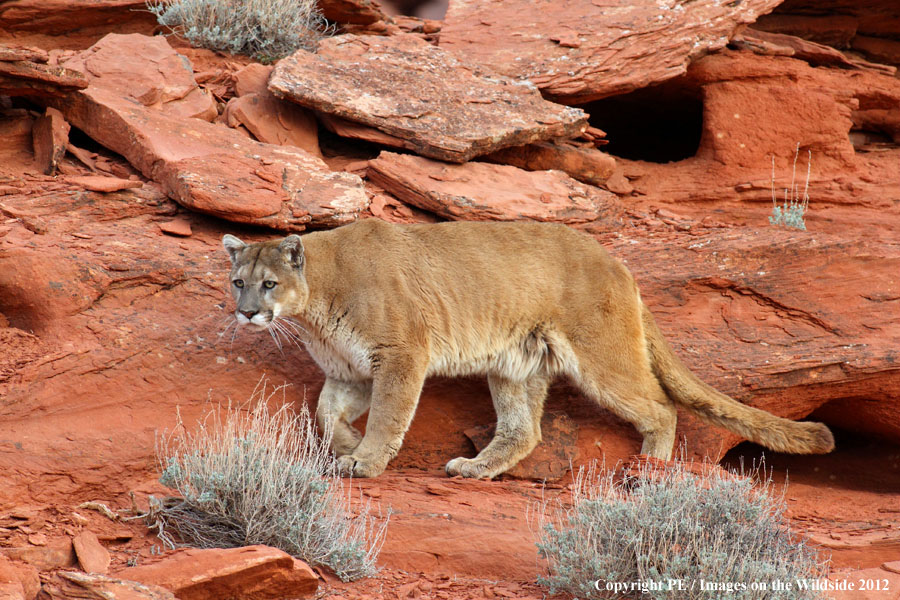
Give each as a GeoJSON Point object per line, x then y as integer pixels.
{"type": "Point", "coordinates": [263, 477]}
{"type": "Point", "coordinates": [674, 534]}
{"type": "Point", "coordinates": [793, 209]}
{"type": "Point", "coordinates": [265, 29]}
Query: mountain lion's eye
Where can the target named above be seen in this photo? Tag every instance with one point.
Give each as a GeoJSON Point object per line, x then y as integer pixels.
{"type": "Point", "coordinates": [269, 284]}
{"type": "Point", "coordinates": [238, 283]}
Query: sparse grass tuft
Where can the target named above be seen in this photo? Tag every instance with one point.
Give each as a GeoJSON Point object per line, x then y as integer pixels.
{"type": "Point", "coordinates": [264, 29]}
{"type": "Point", "coordinates": [263, 477]}
{"type": "Point", "coordinates": [791, 212]}
{"type": "Point", "coordinates": [673, 526]}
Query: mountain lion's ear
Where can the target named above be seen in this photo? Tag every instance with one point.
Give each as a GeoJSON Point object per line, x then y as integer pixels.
{"type": "Point", "coordinates": [292, 249]}
{"type": "Point", "coordinates": [232, 245]}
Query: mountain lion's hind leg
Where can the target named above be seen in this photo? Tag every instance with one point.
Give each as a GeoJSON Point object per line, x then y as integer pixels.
{"type": "Point", "coordinates": [340, 404]}
{"type": "Point", "coordinates": [519, 406]}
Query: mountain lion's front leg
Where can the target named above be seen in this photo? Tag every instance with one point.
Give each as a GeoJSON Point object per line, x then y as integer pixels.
{"type": "Point", "coordinates": [396, 386]}
{"type": "Point", "coordinates": [340, 404]}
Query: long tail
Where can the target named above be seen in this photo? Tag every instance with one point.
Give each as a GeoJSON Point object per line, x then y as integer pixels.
{"type": "Point", "coordinates": [775, 433]}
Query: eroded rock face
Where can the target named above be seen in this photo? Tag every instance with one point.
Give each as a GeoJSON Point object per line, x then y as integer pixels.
{"type": "Point", "coordinates": [24, 72]}
{"type": "Point", "coordinates": [407, 88]}
{"type": "Point", "coordinates": [146, 70]}
{"type": "Point", "coordinates": [50, 135]}
{"type": "Point", "coordinates": [587, 165]}
{"type": "Point", "coordinates": [205, 167]}
{"type": "Point", "coordinates": [479, 191]}
{"type": "Point", "coordinates": [268, 118]}
{"type": "Point", "coordinates": [577, 51]}
{"type": "Point", "coordinates": [65, 585]}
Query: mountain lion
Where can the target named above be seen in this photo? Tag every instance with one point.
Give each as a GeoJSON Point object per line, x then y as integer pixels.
{"type": "Point", "coordinates": [384, 306]}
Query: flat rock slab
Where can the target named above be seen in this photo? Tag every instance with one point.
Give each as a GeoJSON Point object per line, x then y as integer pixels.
{"type": "Point", "coordinates": [257, 572]}
{"type": "Point", "coordinates": [587, 165]}
{"type": "Point", "coordinates": [24, 72]}
{"type": "Point", "coordinates": [92, 556]}
{"type": "Point", "coordinates": [270, 119]}
{"type": "Point", "coordinates": [146, 70]}
{"type": "Point", "coordinates": [205, 167]}
{"type": "Point", "coordinates": [67, 585]}
{"type": "Point", "coordinates": [576, 51]}
{"type": "Point", "coordinates": [407, 88]}
{"type": "Point", "coordinates": [479, 191]}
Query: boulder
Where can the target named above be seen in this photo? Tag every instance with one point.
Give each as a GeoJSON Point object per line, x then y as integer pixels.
{"type": "Point", "coordinates": [586, 164]}
{"type": "Point", "coordinates": [407, 88]}
{"type": "Point", "coordinates": [577, 51]}
{"type": "Point", "coordinates": [56, 555]}
{"type": "Point", "coordinates": [202, 166]}
{"type": "Point", "coordinates": [249, 573]}
{"type": "Point", "coordinates": [479, 191]}
{"type": "Point", "coordinates": [67, 585]}
{"type": "Point", "coordinates": [24, 72]}
{"type": "Point", "coordinates": [50, 136]}
{"type": "Point", "coordinates": [92, 556]}
{"type": "Point", "coordinates": [147, 71]}
{"type": "Point", "coordinates": [355, 12]}
{"type": "Point", "coordinates": [268, 118]}
{"type": "Point", "coordinates": [66, 18]}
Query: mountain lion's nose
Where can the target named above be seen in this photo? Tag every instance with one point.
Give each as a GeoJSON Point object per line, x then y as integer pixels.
{"type": "Point", "coordinates": [248, 313]}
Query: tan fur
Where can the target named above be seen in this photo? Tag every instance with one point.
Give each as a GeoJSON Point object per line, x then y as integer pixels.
{"type": "Point", "coordinates": [385, 306]}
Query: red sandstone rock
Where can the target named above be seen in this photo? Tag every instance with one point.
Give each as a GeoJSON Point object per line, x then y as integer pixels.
{"type": "Point", "coordinates": [269, 119]}
{"type": "Point", "coordinates": [12, 52]}
{"type": "Point", "coordinates": [205, 167]}
{"type": "Point", "coordinates": [44, 286]}
{"type": "Point", "coordinates": [274, 121]}
{"type": "Point", "coordinates": [19, 576]}
{"type": "Point", "coordinates": [147, 70]}
{"type": "Point", "coordinates": [608, 47]}
{"type": "Point", "coordinates": [478, 191]}
{"type": "Point", "coordinates": [24, 78]}
{"type": "Point", "coordinates": [101, 183]}
{"type": "Point", "coordinates": [66, 18]}
{"type": "Point", "coordinates": [50, 136]}
{"type": "Point", "coordinates": [67, 585]}
{"type": "Point", "coordinates": [357, 12]}
{"type": "Point", "coordinates": [587, 165]}
{"type": "Point", "coordinates": [178, 227]}
{"type": "Point", "coordinates": [252, 572]}
{"type": "Point", "coordinates": [57, 555]}
{"type": "Point", "coordinates": [410, 89]}
{"type": "Point", "coordinates": [92, 556]}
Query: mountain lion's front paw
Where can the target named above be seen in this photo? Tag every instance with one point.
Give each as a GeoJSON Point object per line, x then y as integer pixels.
{"type": "Point", "coordinates": [469, 467]}
{"type": "Point", "coordinates": [351, 466]}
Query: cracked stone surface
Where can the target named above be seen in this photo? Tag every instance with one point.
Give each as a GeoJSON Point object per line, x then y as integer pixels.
{"type": "Point", "coordinates": [576, 51]}
{"type": "Point", "coordinates": [205, 167]}
{"type": "Point", "coordinates": [443, 107]}
{"type": "Point", "coordinates": [478, 191]}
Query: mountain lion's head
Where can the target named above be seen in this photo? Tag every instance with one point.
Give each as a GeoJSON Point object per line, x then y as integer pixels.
{"type": "Point", "coordinates": [266, 279]}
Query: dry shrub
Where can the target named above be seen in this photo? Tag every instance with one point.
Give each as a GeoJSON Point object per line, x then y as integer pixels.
{"type": "Point", "coordinates": [259, 476]}
{"type": "Point", "coordinates": [689, 535]}
{"type": "Point", "coordinates": [264, 29]}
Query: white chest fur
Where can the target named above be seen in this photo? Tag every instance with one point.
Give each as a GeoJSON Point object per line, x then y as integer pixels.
{"type": "Point", "coordinates": [340, 356]}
